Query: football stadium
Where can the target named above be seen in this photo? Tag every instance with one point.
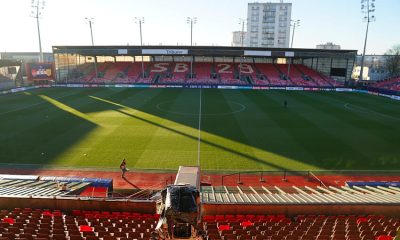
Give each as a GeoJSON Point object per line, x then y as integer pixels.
{"type": "Point", "coordinates": [116, 142]}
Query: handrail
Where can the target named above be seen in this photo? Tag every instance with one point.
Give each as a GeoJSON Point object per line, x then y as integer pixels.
{"type": "Point", "coordinates": [319, 180]}
{"type": "Point", "coordinates": [304, 173]}
{"type": "Point", "coordinates": [157, 185]}
{"type": "Point", "coordinates": [228, 175]}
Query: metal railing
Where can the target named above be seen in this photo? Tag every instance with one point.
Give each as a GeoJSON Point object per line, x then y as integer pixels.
{"type": "Point", "coordinates": [143, 193]}
{"type": "Point", "coordinates": [309, 175]}
{"type": "Point", "coordinates": [315, 177]}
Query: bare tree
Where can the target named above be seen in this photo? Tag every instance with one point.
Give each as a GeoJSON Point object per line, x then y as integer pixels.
{"type": "Point", "coordinates": [393, 60]}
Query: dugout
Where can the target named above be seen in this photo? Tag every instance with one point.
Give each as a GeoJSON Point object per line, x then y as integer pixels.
{"type": "Point", "coordinates": [337, 64]}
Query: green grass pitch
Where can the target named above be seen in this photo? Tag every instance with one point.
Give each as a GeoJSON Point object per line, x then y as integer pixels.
{"type": "Point", "coordinates": [159, 129]}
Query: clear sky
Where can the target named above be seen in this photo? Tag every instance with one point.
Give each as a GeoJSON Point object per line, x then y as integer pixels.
{"type": "Point", "coordinates": [62, 23]}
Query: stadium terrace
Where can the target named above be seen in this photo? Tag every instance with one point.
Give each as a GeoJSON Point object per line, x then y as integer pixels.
{"type": "Point", "coordinates": [203, 65]}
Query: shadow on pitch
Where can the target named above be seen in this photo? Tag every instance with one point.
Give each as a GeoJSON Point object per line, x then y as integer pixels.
{"type": "Point", "coordinates": [129, 182]}
{"type": "Point", "coordinates": [285, 132]}
{"type": "Point", "coordinates": [256, 160]}
{"type": "Point", "coordinates": [38, 134]}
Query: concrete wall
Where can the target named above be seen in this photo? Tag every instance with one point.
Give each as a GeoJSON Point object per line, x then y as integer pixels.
{"type": "Point", "coordinates": [299, 209]}
{"type": "Point", "coordinates": [68, 204]}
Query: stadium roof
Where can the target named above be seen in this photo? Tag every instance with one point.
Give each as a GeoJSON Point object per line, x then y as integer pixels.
{"type": "Point", "coordinates": [203, 51]}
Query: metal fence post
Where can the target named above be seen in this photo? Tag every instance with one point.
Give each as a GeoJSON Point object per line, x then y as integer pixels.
{"type": "Point", "coordinates": [239, 181]}
{"type": "Point", "coordinates": [261, 177]}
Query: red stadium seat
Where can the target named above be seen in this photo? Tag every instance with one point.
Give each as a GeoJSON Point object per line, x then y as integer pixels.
{"type": "Point", "coordinates": [224, 227]}
{"type": "Point", "coordinates": [8, 220]}
{"type": "Point", "coordinates": [246, 224]}
{"type": "Point", "coordinates": [85, 228]}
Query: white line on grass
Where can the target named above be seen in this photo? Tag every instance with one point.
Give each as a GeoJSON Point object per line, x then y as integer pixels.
{"type": "Point", "coordinates": [363, 110]}
{"type": "Point", "coordinates": [199, 135]}
{"type": "Point", "coordinates": [241, 109]}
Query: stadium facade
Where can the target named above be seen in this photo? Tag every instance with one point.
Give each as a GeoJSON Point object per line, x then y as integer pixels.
{"type": "Point", "coordinates": [212, 61]}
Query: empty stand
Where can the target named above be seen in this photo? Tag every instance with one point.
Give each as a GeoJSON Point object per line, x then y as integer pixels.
{"type": "Point", "coordinates": [209, 73]}
{"type": "Point", "coordinates": [318, 78]}
{"type": "Point", "coordinates": [179, 72]}
{"type": "Point", "coordinates": [26, 223]}
{"type": "Point", "coordinates": [390, 84]}
{"type": "Point", "coordinates": [133, 72]}
{"type": "Point", "coordinates": [272, 74]}
{"type": "Point", "coordinates": [295, 76]}
{"type": "Point", "coordinates": [114, 70]}
{"type": "Point", "coordinates": [225, 72]}
{"type": "Point", "coordinates": [300, 227]}
{"type": "Point", "coordinates": [246, 70]}
{"type": "Point", "coordinates": [147, 77]}
{"type": "Point", "coordinates": [203, 72]}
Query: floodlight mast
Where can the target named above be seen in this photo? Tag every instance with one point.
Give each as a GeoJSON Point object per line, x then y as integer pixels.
{"type": "Point", "coordinates": [140, 21]}
{"type": "Point", "coordinates": [294, 24]}
{"type": "Point", "coordinates": [90, 22]}
{"type": "Point", "coordinates": [241, 21]}
{"type": "Point", "coordinates": [37, 7]}
{"type": "Point", "coordinates": [367, 7]}
{"type": "Point", "coordinates": [191, 21]}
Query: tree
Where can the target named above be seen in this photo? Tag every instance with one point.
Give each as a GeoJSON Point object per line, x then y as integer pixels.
{"type": "Point", "coordinates": [393, 60]}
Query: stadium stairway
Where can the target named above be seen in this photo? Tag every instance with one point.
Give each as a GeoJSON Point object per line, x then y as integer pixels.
{"type": "Point", "coordinates": [133, 72]}
{"type": "Point", "coordinates": [203, 71]}
{"type": "Point", "coordinates": [148, 76]}
{"type": "Point", "coordinates": [272, 74]}
{"type": "Point", "coordinates": [180, 76]}
{"type": "Point", "coordinates": [261, 79]}
{"type": "Point", "coordinates": [283, 70]}
{"type": "Point", "coordinates": [317, 78]}
{"type": "Point", "coordinates": [330, 80]}
{"type": "Point", "coordinates": [309, 79]}
{"type": "Point", "coordinates": [111, 73]}
{"type": "Point", "coordinates": [295, 77]}
{"type": "Point", "coordinates": [247, 72]}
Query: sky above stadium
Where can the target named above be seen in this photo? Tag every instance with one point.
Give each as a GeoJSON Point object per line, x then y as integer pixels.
{"type": "Point", "coordinates": [63, 23]}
